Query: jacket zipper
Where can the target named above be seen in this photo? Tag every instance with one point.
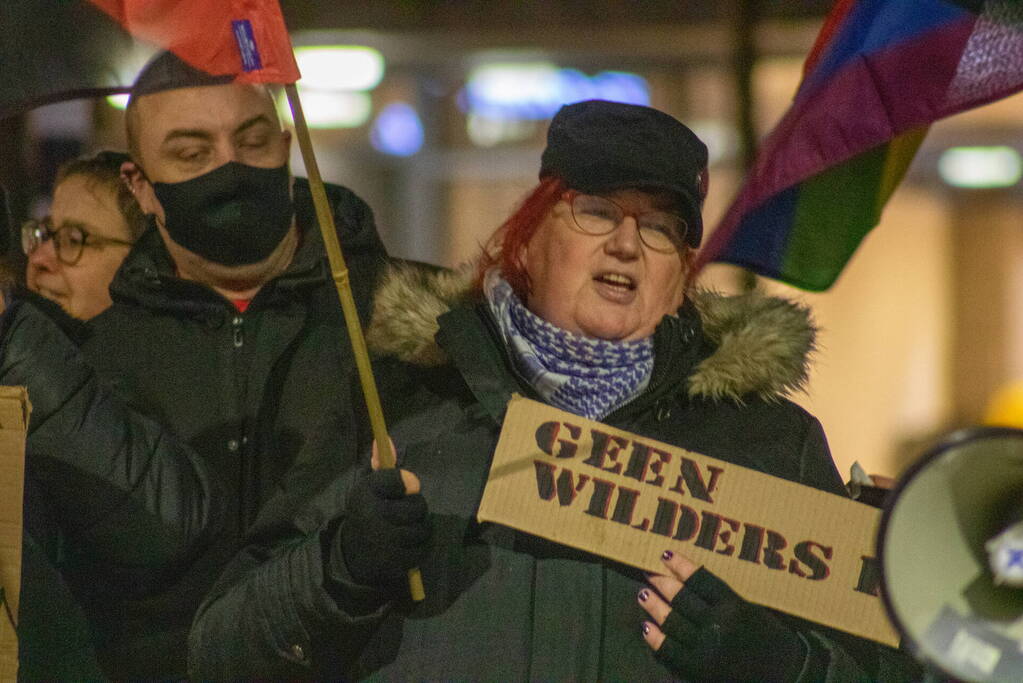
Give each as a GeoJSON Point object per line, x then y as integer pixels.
{"type": "Point", "coordinates": [237, 336]}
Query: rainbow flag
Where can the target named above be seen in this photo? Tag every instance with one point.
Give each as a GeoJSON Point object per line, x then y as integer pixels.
{"type": "Point", "coordinates": [879, 74]}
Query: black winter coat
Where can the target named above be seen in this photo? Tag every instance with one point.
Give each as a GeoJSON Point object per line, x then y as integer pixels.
{"type": "Point", "coordinates": [503, 605]}
{"type": "Point", "coordinates": [104, 486]}
{"type": "Point", "coordinates": [249, 391]}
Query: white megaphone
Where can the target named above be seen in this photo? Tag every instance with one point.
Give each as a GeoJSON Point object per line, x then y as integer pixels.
{"type": "Point", "coordinates": [950, 556]}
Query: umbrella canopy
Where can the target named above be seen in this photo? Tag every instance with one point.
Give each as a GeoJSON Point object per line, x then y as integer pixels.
{"type": "Point", "coordinates": [69, 50]}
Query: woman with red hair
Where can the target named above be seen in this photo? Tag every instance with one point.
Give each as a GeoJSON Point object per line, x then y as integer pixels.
{"type": "Point", "coordinates": [580, 300]}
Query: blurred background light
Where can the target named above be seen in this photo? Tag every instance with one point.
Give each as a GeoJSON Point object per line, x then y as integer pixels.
{"type": "Point", "coordinates": [490, 132]}
{"type": "Point", "coordinates": [721, 139]}
{"type": "Point", "coordinates": [620, 86]}
{"type": "Point", "coordinates": [523, 91]}
{"type": "Point", "coordinates": [325, 109]}
{"type": "Point", "coordinates": [335, 84]}
{"type": "Point", "coordinates": [118, 101]}
{"type": "Point", "coordinates": [980, 167]}
{"type": "Point", "coordinates": [339, 67]}
{"type": "Point", "coordinates": [535, 90]}
{"type": "Point", "coordinates": [397, 131]}
{"type": "Point", "coordinates": [130, 62]}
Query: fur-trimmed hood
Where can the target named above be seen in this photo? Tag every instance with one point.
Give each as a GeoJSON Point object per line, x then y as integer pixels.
{"type": "Point", "coordinates": [762, 344]}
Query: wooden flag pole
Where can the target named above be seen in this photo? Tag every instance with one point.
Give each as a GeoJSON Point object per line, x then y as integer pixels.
{"type": "Point", "coordinates": [339, 272]}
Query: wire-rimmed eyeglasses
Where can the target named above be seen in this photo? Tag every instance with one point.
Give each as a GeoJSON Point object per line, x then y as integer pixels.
{"type": "Point", "coordinates": [661, 231]}
{"type": "Point", "coordinates": [69, 240]}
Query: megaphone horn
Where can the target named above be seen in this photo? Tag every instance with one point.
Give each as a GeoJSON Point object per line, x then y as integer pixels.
{"type": "Point", "coordinates": [950, 547]}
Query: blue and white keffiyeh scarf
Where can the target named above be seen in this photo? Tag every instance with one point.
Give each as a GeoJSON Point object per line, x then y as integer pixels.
{"type": "Point", "coordinates": [583, 375]}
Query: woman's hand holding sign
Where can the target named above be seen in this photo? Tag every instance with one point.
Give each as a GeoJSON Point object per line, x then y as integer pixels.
{"type": "Point", "coordinates": [701, 629]}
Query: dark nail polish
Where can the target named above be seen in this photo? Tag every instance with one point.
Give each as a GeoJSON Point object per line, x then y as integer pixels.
{"type": "Point", "coordinates": [643, 595]}
{"type": "Point", "coordinates": [667, 555]}
{"type": "Point", "coordinates": [645, 627]}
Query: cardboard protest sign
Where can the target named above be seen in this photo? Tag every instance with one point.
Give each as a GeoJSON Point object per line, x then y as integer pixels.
{"type": "Point", "coordinates": [629, 498]}
{"type": "Point", "coordinates": [14, 410]}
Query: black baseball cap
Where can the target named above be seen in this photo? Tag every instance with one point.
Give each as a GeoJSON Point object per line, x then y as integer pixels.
{"type": "Point", "coordinates": [598, 146]}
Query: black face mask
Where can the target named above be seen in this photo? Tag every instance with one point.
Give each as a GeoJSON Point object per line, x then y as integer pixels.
{"type": "Point", "coordinates": [233, 215]}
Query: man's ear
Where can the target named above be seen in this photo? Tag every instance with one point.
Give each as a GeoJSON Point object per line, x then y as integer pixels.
{"type": "Point", "coordinates": [689, 275]}
{"type": "Point", "coordinates": [132, 176]}
{"type": "Point", "coordinates": [135, 178]}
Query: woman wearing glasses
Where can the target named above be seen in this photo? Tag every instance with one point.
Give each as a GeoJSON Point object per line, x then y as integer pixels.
{"type": "Point", "coordinates": [113, 503]}
{"type": "Point", "coordinates": [74, 252]}
{"type": "Point", "coordinates": [580, 301]}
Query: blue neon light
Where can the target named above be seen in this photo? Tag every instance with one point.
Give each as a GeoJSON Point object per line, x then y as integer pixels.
{"type": "Point", "coordinates": [397, 130]}
{"type": "Point", "coordinates": [540, 94]}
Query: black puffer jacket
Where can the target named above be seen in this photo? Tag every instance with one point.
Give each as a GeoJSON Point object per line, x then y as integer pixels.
{"type": "Point", "coordinates": [128, 494]}
{"type": "Point", "coordinates": [248, 391]}
{"type": "Point", "coordinates": [105, 486]}
{"type": "Point", "coordinates": [502, 605]}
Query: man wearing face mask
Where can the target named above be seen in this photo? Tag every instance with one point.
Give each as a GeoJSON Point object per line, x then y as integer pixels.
{"type": "Point", "coordinates": [225, 324]}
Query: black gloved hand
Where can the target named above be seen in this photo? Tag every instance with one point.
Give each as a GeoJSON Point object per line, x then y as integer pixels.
{"type": "Point", "coordinates": [712, 634]}
{"type": "Point", "coordinates": [384, 533]}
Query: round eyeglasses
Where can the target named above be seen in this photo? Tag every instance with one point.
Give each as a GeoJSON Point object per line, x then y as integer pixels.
{"type": "Point", "coordinates": [69, 240]}
{"type": "Point", "coordinates": [661, 231]}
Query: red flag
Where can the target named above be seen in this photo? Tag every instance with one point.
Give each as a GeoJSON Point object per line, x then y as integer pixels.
{"type": "Point", "coordinates": [84, 48]}
{"type": "Point", "coordinates": [220, 37]}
